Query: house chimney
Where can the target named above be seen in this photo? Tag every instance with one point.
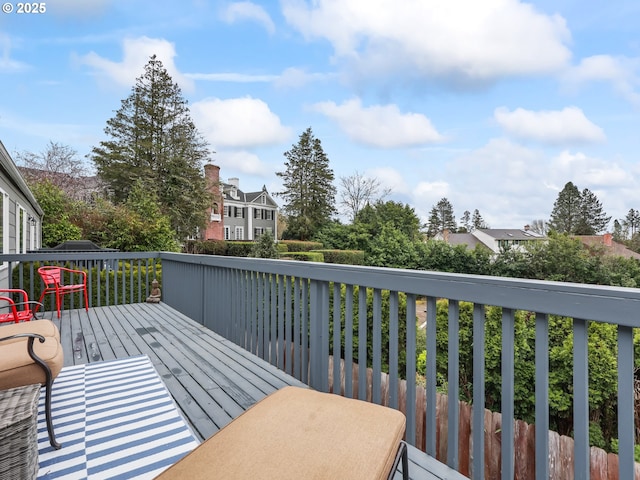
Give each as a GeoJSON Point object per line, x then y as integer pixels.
{"type": "Point", "coordinates": [212, 174]}
{"type": "Point", "coordinates": [445, 235]}
{"type": "Point", "coordinates": [607, 239]}
{"type": "Point", "coordinates": [235, 182]}
{"type": "Point", "coordinates": [527, 228]}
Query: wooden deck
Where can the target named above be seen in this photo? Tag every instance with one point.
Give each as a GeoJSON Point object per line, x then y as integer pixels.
{"type": "Point", "coordinates": [211, 379]}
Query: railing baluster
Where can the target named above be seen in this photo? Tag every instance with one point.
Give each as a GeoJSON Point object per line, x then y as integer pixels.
{"type": "Point", "coordinates": [377, 346]}
{"type": "Point", "coordinates": [626, 391]}
{"type": "Point", "coordinates": [297, 333]}
{"type": "Point", "coordinates": [393, 349]}
{"type": "Point", "coordinates": [581, 398]}
{"type": "Point", "coordinates": [362, 342]}
{"type": "Point", "coordinates": [319, 325]}
{"type": "Point", "coordinates": [280, 308]}
{"type": "Point", "coordinates": [337, 339]}
{"type": "Point", "coordinates": [348, 341]}
{"type": "Point", "coordinates": [304, 330]}
{"type": "Point", "coordinates": [273, 316]}
{"type": "Point", "coordinates": [431, 380]}
{"type": "Point", "coordinates": [453, 391]}
{"type": "Point", "coordinates": [411, 369]}
{"type": "Point", "coordinates": [289, 336]}
{"type": "Point", "coordinates": [508, 358]}
{"type": "Point", "coordinates": [542, 396]}
{"type": "Point", "coordinates": [478, 391]}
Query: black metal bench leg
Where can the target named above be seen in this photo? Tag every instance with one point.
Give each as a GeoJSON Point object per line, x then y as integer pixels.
{"type": "Point", "coordinates": [403, 456]}
{"type": "Point", "coordinates": [48, 386]}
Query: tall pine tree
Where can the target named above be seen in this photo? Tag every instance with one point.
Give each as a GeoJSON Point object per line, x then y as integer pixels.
{"type": "Point", "coordinates": [152, 139]}
{"type": "Point", "coordinates": [441, 218]}
{"type": "Point", "coordinates": [577, 213]}
{"type": "Point", "coordinates": [592, 219]}
{"type": "Point", "coordinates": [566, 210]}
{"type": "Point", "coordinates": [308, 189]}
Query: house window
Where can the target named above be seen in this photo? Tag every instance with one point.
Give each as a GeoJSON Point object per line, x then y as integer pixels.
{"type": "Point", "coordinates": [239, 233]}
{"type": "Point", "coordinates": [257, 232]}
{"type": "Point", "coordinates": [263, 200]}
{"type": "Point", "coordinates": [21, 229]}
{"type": "Point", "coordinates": [227, 233]}
{"type": "Point", "coordinates": [226, 210]}
{"type": "Point", "coordinates": [239, 212]}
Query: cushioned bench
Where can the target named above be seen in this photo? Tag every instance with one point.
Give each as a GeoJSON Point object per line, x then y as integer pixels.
{"type": "Point", "coordinates": [30, 353]}
{"type": "Point", "coordinates": [298, 433]}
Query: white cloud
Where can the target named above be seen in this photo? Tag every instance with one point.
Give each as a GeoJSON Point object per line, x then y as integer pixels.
{"type": "Point", "coordinates": [231, 77]}
{"type": "Point", "coordinates": [136, 54]}
{"type": "Point", "coordinates": [380, 125]}
{"type": "Point", "coordinates": [239, 11]}
{"type": "Point", "coordinates": [588, 172]}
{"type": "Point", "coordinates": [389, 178]}
{"type": "Point", "coordinates": [569, 125]}
{"type": "Point", "coordinates": [7, 64]}
{"type": "Point", "coordinates": [240, 162]}
{"type": "Point", "coordinates": [620, 72]}
{"type": "Point", "coordinates": [297, 77]}
{"type": "Point", "coordinates": [461, 41]}
{"type": "Point", "coordinates": [238, 122]}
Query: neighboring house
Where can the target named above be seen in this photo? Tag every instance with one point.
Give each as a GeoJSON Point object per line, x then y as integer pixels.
{"type": "Point", "coordinates": [608, 245]}
{"type": "Point", "coordinates": [20, 214]}
{"type": "Point", "coordinates": [495, 239]}
{"type": "Point", "coordinates": [238, 215]}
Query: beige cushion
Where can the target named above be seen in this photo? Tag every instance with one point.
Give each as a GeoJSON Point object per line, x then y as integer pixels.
{"type": "Point", "coordinates": [297, 433]}
{"type": "Point", "coordinates": [18, 369]}
{"type": "Point", "coordinates": [46, 328]}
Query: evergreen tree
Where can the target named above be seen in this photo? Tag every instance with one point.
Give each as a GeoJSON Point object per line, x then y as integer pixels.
{"type": "Point", "coordinates": [265, 247]}
{"type": "Point", "coordinates": [566, 210]}
{"type": "Point", "coordinates": [309, 192]}
{"type": "Point", "coordinates": [477, 221]}
{"type": "Point", "coordinates": [618, 234]}
{"type": "Point", "coordinates": [592, 219]}
{"type": "Point", "coordinates": [153, 139]}
{"type": "Point", "coordinates": [441, 218]}
{"type": "Point", "coordinates": [631, 223]}
{"type": "Point", "coordinates": [466, 222]}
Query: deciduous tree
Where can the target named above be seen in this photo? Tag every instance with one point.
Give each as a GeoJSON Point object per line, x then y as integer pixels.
{"type": "Point", "coordinates": [358, 190]}
{"type": "Point", "coordinates": [152, 139]}
{"type": "Point", "coordinates": [308, 189]}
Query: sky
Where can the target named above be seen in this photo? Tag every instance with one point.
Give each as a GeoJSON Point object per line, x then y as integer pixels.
{"type": "Point", "coordinates": [493, 104]}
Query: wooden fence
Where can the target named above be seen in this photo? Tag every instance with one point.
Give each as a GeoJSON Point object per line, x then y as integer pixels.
{"type": "Point", "coordinates": [604, 466]}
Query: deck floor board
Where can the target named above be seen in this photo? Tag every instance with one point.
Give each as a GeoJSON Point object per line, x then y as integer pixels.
{"type": "Point", "coordinates": [211, 379]}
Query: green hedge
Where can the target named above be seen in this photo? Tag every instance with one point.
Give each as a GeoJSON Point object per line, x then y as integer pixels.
{"type": "Point", "coordinates": [240, 248]}
{"type": "Point", "coordinates": [303, 256]}
{"type": "Point", "coordinates": [345, 257]}
{"type": "Point", "coordinates": [282, 247]}
{"type": "Point", "coordinates": [299, 246]}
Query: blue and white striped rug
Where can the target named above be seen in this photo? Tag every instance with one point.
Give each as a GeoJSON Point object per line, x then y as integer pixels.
{"type": "Point", "coordinates": [114, 419]}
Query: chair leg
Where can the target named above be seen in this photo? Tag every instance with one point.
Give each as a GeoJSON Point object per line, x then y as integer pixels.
{"type": "Point", "coordinates": [48, 385]}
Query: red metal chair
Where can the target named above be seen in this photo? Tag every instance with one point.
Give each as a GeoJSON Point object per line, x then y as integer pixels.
{"type": "Point", "coordinates": [20, 310]}
{"type": "Point", "coordinates": [53, 278]}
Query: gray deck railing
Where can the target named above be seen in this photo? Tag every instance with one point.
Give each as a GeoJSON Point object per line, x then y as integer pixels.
{"type": "Point", "coordinates": [294, 315]}
{"type": "Point", "coordinates": [112, 277]}
{"type": "Point", "coordinates": [267, 305]}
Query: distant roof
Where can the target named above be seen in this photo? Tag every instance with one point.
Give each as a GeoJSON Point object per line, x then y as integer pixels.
{"type": "Point", "coordinates": [510, 233]}
{"type": "Point", "coordinates": [463, 239]}
{"type": "Point", "coordinates": [611, 247]}
{"type": "Point", "coordinates": [246, 197]}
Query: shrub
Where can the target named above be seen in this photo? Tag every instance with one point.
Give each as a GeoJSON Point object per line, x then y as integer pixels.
{"type": "Point", "coordinates": [282, 247]}
{"type": "Point", "coordinates": [303, 256]}
{"type": "Point", "coordinates": [300, 246]}
{"type": "Point", "coordinates": [239, 248]}
{"type": "Point", "coordinates": [345, 257]}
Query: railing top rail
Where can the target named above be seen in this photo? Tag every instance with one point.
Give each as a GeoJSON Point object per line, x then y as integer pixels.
{"type": "Point", "coordinates": [618, 305]}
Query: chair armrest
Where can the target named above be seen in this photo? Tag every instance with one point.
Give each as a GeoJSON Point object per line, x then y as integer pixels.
{"type": "Point", "coordinates": [31, 336]}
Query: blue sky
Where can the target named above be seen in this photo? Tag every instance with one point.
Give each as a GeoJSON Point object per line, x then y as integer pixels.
{"type": "Point", "coordinates": [493, 104]}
